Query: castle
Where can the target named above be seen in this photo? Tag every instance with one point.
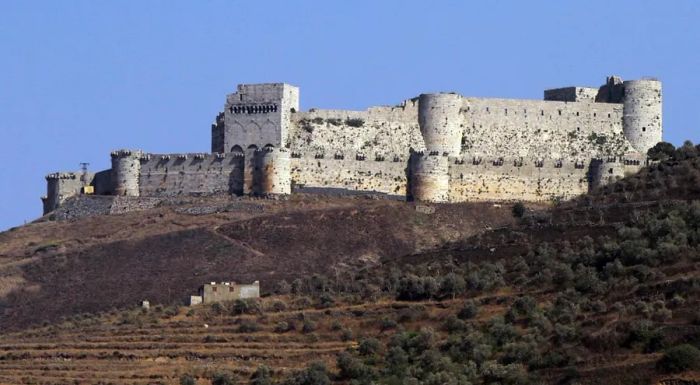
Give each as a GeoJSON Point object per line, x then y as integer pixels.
{"type": "Point", "coordinates": [439, 147]}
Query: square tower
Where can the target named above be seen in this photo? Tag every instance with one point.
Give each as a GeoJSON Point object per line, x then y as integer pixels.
{"type": "Point", "coordinates": [257, 115]}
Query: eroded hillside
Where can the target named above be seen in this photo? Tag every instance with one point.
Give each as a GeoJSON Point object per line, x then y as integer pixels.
{"type": "Point", "coordinates": [164, 255]}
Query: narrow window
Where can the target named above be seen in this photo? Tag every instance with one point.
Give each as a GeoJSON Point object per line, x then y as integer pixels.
{"type": "Point", "coordinates": [644, 129]}
{"type": "Point", "coordinates": [559, 112]}
{"type": "Point", "coordinates": [576, 113]}
{"type": "Point", "coordinates": [595, 114]}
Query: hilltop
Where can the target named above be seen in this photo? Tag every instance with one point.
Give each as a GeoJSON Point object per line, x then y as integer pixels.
{"type": "Point", "coordinates": [602, 289]}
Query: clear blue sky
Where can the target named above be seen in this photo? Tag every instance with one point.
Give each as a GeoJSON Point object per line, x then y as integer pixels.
{"type": "Point", "coordinates": [80, 78]}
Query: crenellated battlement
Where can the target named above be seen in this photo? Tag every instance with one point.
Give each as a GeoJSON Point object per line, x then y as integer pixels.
{"type": "Point", "coordinates": [61, 175]}
{"type": "Point", "coordinates": [125, 153]}
{"type": "Point", "coordinates": [438, 147]}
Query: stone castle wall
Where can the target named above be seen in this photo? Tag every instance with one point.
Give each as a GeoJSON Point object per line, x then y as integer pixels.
{"type": "Point", "coordinates": [178, 174]}
{"type": "Point", "coordinates": [384, 130]}
{"type": "Point", "coordinates": [435, 147]}
{"type": "Point", "coordinates": [383, 175]}
{"type": "Point", "coordinates": [515, 128]}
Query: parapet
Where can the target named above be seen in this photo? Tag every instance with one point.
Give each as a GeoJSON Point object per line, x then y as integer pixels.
{"type": "Point", "coordinates": [571, 94]}
{"type": "Point", "coordinates": [62, 175]}
{"type": "Point", "coordinates": [125, 152]}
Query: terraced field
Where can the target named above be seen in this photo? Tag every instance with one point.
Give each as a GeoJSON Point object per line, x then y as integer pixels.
{"type": "Point", "coordinates": [138, 347]}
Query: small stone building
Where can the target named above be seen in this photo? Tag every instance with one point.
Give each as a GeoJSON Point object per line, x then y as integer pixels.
{"type": "Point", "coordinates": [225, 291]}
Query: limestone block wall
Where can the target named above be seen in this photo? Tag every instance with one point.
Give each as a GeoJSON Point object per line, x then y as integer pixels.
{"type": "Point", "coordinates": [80, 206]}
{"type": "Point", "coordinates": [177, 174]}
{"type": "Point", "coordinates": [488, 127]}
{"type": "Point", "coordinates": [351, 172]}
{"type": "Point", "coordinates": [384, 130]}
{"type": "Point", "coordinates": [125, 204]}
{"type": "Point", "coordinates": [535, 128]}
{"type": "Point", "coordinates": [516, 178]}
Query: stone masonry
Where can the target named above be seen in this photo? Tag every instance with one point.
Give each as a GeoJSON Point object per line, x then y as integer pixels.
{"type": "Point", "coordinates": [440, 147]}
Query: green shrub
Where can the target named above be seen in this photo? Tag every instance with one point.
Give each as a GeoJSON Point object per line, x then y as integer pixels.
{"type": "Point", "coordinates": [217, 308]}
{"type": "Point", "coordinates": [315, 374]}
{"type": "Point", "coordinates": [223, 379]}
{"type": "Point", "coordinates": [186, 379]}
{"type": "Point", "coordinates": [352, 368]}
{"type": "Point", "coordinates": [308, 327]}
{"type": "Point", "coordinates": [248, 327]}
{"type": "Point", "coordinates": [283, 287]}
{"type": "Point", "coordinates": [469, 310]}
{"type": "Point", "coordinates": [278, 306]}
{"type": "Point", "coordinates": [662, 151]}
{"type": "Point", "coordinates": [336, 326]}
{"type": "Point", "coordinates": [679, 358]}
{"type": "Point", "coordinates": [346, 334]}
{"type": "Point", "coordinates": [282, 327]}
{"type": "Point", "coordinates": [261, 376]}
{"type": "Point", "coordinates": [387, 323]}
{"type": "Point", "coordinates": [452, 285]}
{"type": "Point", "coordinates": [334, 121]}
{"type": "Point", "coordinates": [369, 346]}
{"type": "Point", "coordinates": [453, 324]}
{"type": "Point", "coordinates": [354, 122]}
{"type": "Point", "coordinates": [246, 306]}
{"type": "Point", "coordinates": [519, 210]}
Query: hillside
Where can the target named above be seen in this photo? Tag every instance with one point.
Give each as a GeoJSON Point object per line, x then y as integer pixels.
{"type": "Point", "coordinates": [601, 290]}
{"type": "Point", "coordinates": [100, 263]}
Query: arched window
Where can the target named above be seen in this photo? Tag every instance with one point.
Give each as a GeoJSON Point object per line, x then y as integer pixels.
{"type": "Point", "coordinates": [237, 149]}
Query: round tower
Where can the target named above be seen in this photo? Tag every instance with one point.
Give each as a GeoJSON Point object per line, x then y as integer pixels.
{"type": "Point", "coordinates": [605, 171]}
{"type": "Point", "coordinates": [274, 171]}
{"type": "Point", "coordinates": [438, 117]}
{"type": "Point", "coordinates": [641, 115]}
{"type": "Point", "coordinates": [53, 193]}
{"type": "Point", "coordinates": [430, 181]}
{"type": "Point", "coordinates": [126, 169]}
